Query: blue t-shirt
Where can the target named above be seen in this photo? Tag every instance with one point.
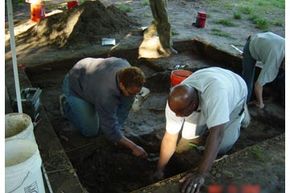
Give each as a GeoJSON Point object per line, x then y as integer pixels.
{"type": "Point", "coordinates": [95, 81]}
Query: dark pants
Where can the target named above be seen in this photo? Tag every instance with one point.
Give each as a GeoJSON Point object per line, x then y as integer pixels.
{"type": "Point", "coordinates": [279, 86]}
{"type": "Point", "coordinates": [249, 65]}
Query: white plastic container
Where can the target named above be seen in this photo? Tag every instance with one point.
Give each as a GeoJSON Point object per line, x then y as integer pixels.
{"type": "Point", "coordinates": [140, 98]}
{"type": "Point", "coordinates": [22, 167]}
{"type": "Point", "coordinates": [18, 126]}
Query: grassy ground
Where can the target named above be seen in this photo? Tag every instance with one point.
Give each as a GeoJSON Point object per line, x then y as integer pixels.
{"type": "Point", "coordinates": [257, 11]}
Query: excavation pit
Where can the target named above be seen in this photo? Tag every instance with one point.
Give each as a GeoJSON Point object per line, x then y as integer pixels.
{"type": "Point", "coordinates": [104, 168]}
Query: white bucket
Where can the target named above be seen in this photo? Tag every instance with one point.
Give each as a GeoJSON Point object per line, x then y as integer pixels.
{"type": "Point", "coordinates": [22, 167]}
{"type": "Point", "coordinates": [18, 125]}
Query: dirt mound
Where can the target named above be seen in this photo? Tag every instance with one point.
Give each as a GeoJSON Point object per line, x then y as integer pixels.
{"type": "Point", "coordinates": [83, 24]}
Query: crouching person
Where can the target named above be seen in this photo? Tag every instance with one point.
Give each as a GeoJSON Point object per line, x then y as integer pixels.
{"type": "Point", "coordinates": [212, 99]}
{"type": "Point", "coordinates": [98, 95]}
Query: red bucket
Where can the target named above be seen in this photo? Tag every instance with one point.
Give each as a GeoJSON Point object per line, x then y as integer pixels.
{"type": "Point", "coordinates": [72, 4]}
{"type": "Point", "coordinates": [200, 19]}
{"type": "Point", "coordinates": [37, 12]}
{"type": "Point", "coordinates": [177, 76]}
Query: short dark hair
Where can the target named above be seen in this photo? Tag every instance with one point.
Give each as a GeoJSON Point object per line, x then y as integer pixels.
{"type": "Point", "coordinates": [132, 76]}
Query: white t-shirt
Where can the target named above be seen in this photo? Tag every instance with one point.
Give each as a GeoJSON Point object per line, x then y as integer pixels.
{"type": "Point", "coordinates": [220, 92]}
{"type": "Point", "coordinates": [268, 48]}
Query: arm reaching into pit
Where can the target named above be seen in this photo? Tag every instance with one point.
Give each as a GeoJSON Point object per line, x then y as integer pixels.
{"type": "Point", "coordinates": [168, 146]}
{"type": "Point", "coordinates": [137, 150]}
{"type": "Point", "coordinates": [192, 182]}
{"type": "Point", "coordinates": [259, 95]}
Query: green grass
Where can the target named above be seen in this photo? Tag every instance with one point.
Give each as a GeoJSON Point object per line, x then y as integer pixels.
{"type": "Point", "coordinates": [174, 33]}
{"type": "Point", "coordinates": [262, 24]}
{"type": "Point", "coordinates": [261, 10]}
{"type": "Point", "coordinates": [277, 23]}
{"type": "Point", "coordinates": [145, 2]}
{"type": "Point", "coordinates": [237, 15]}
{"type": "Point", "coordinates": [245, 10]}
{"type": "Point", "coordinates": [225, 22]}
{"type": "Point", "coordinates": [218, 32]}
{"type": "Point", "coordinates": [253, 17]}
{"type": "Point", "coordinates": [228, 6]}
{"type": "Point", "coordinates": [81, 1]}
{"type": "Point", "coordinates": [192, 145]}
{"type": "Point", "coordinates": [258, 153]}
{"type": "Point", "coordinates": [259, 22]}
{"type": "Point", "coordinates": [124, 8]}
{"type": "Point", "coordinates": [280, 4]}
{"type": "Point", "coordinates": [273, 3]}
{"type": "Point", "coordinates": [261, 3]}
{"type": "Point", "coordinates": [263, 14]}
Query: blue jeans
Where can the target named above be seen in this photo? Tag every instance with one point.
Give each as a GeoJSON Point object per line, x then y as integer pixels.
{"type": "Point", "coordinates": [249, 64]}
{"type": "Point", "coordinates": [79, 112]}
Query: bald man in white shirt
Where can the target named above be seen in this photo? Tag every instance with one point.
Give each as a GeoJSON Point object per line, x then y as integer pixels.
{"type": "Point", "coordinates": [211, 99]}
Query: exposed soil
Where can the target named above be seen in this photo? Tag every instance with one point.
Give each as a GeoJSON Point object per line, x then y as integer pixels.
{"type": "Point", "coordinates": [93, 23]}
{"type": "Point", "coordinates": [86, 24]}
{"type": "Point", "coordinates": [103, 167]}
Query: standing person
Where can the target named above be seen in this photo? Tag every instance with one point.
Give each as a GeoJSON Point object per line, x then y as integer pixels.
{"type": "Point", "coordinates": [268, 48]}
{"type": "Point", "coordinates": [98, 94]}
{"type": "Point", "coordinates": [162, 25]}
{"type": "Point", "coordinates": [210, 100]}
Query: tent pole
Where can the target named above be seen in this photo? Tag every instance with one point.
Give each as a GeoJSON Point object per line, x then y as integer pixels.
{"type": "Point", "coordinates": [13, 51]}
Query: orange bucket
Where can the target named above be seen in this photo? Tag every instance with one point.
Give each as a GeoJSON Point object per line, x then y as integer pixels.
{"type": "Point", "coordinates": [177, 76]}
{"type": "Point", "coordinates": [36, 12]}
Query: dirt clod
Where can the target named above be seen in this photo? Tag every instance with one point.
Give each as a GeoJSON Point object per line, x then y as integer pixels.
{"type": "Point", "coordinates": [84, 24]}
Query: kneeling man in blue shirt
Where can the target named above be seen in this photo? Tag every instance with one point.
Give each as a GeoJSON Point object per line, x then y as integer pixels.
{"type": "Point", "coordinates": [98, 95]}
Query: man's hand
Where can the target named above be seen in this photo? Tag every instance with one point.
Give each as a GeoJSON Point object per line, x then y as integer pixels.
{"type": "Point", "coordinates": [191, 183]}
{"type": "Point", "coordinates": [257, 104]}
{"type": "Point", "coordinates": [136, 149]}
{"type": "Point", "coordinates": [139, 152]}
{"type": "Point", "coordinates": [158, 175]}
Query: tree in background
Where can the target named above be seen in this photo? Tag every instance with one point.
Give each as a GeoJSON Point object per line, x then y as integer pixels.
{"type": "Point", "coordinates": [162, 26]}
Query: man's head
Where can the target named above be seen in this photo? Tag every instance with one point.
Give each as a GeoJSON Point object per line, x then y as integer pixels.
{"type": "Point", "coordinates": [131, 80]}
{"type": "Point", "coordinates": [183, 100]}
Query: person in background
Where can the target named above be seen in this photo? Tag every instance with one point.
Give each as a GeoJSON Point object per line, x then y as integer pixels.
{"type": "Point", "coordinates": [269, 49]}
{"type": "Point", "coordinates": [97, 96]}
{"type": "Point", "coordinates": [210, 100]}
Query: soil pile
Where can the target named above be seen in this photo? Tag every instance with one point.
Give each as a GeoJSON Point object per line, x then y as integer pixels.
{"type": "Point", "coordinates": [85, 24]}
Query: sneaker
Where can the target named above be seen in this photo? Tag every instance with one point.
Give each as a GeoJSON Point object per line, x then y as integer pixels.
{"type": "Point", "coordinates": [62, 101]}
